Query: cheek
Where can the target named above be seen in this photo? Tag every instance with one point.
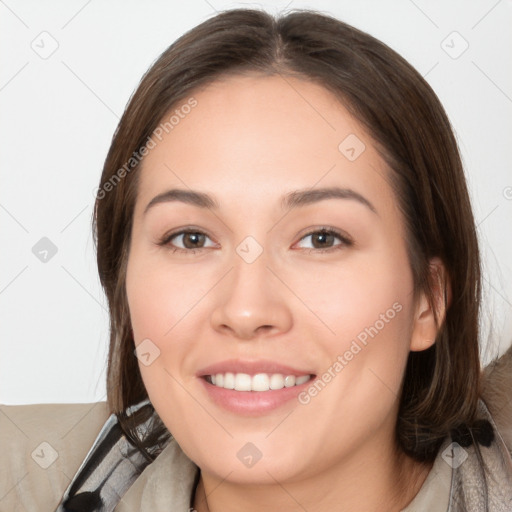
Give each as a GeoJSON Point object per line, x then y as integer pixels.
{"type": "Point", "coordinates": [162, 302]}
{"type": "Point", "coordinates": [160, 296]}
{"type": "Point", "coordinates": [364, 293]}
{"type": "Point", "coordinates": [368, 311]}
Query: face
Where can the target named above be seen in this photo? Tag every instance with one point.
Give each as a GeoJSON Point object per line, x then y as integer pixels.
{"type": "Point", "coordinates": [273, 277]}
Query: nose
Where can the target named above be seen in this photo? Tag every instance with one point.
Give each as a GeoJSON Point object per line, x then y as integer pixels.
{"type": "Point", "coordinates": [252, 302]}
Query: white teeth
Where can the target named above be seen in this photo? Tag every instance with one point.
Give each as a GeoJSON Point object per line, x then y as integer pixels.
{"type": "Point", "coordinates": [290, 381]}
{"type": "Point", "coordinates": [276, 381]}
{"type": "Point", "coordinates": [229, 381]}
{"type": "Point", "coordinates": [301, 380]}
{"type": "Point", "coordinates": [258, 382]}
{"type": "Point", "coordinates": [243, 382]}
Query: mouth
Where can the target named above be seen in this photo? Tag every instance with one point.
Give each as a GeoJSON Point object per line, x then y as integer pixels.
{"type": "Point", "coordinates": [253, 388]}
{"type": "Point", "coordinates": [258, 382]}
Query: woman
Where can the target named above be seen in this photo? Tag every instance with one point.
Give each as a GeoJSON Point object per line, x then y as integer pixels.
{"type": "Point", "coordinates": [287, 246]}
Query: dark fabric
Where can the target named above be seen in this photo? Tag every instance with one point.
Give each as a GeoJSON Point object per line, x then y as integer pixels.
{"type": "Point", "coordinates": [483, 481]}
{"type": "Point", "coordinates": [111, 466]}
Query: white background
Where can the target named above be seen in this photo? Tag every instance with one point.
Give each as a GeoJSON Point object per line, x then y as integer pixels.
{"type": "Point", "coordinates": [58, 115]}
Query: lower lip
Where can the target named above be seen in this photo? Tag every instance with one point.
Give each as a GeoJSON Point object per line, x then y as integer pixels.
{"type": "Point", "coordinates": [252, 403]}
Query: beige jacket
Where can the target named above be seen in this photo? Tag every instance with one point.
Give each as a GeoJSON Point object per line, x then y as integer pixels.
{"type": "Point", "coordinates": [43, 445]}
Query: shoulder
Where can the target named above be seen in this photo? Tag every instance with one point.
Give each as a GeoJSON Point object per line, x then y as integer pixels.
{"type": "Point", "coordinates": [497, 394]}
{"type": "Point", "coordinates": [42, 446]}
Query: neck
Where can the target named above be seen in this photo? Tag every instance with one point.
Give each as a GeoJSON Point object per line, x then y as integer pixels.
{"type": "Point", "coordinates": [367, 482]}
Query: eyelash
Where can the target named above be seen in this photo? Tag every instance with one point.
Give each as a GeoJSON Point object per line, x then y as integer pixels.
{"type": "Point", "coordinates": [345, 240]}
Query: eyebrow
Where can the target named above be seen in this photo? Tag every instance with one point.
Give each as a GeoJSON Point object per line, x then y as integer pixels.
{"type": "Point", "coordinates": [290, 201]}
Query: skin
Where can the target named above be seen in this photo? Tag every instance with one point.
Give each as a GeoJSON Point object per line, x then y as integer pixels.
{"type": "Point", "coordinates": [250, 140]}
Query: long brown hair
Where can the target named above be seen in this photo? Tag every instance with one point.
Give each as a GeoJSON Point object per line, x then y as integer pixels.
{"type": "Point", "coordinates": [412, 133]}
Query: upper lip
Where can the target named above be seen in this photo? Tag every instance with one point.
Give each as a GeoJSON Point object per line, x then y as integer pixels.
{"type": "Point", "coordinates": [250, 367]}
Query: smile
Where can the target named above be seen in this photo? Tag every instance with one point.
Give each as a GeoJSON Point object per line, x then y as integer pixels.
{"type": "Point", "coordinates": [258, 382]}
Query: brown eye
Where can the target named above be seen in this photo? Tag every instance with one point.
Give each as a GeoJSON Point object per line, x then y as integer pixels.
{"type": "Point", "coordinates": [193, 240]}
{"type": "Point", "coordinates": [324, 240]}
{"type": "Point", "coordinates": [188, 239]}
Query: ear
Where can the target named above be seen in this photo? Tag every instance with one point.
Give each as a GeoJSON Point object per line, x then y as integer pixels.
{"type": "Point", "coordinates": [425, 328]}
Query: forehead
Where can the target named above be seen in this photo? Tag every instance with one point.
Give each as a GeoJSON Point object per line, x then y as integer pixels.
{"type": "Point", "coordinates": [252, 137]}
